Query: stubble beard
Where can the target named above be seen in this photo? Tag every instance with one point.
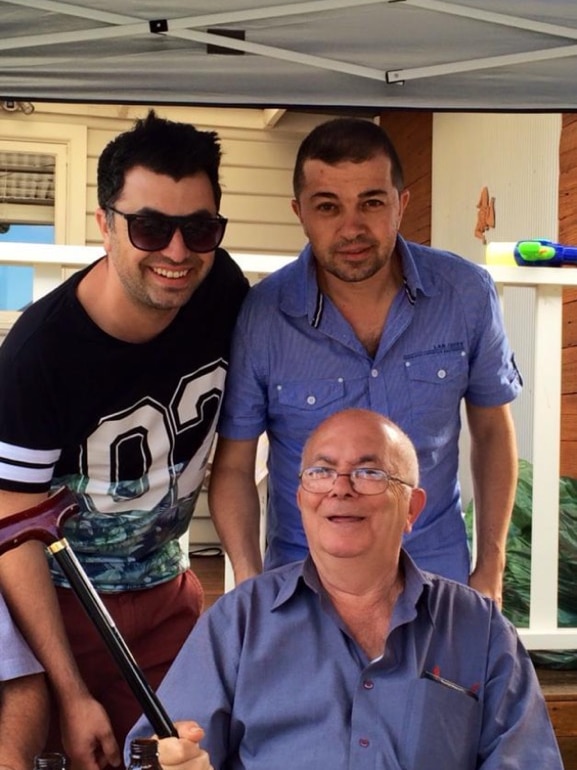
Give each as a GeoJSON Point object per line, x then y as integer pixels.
{"type": "Point", "coordinates": [352, 272]}
{"type": "Point", "coordinates": [158, 298]}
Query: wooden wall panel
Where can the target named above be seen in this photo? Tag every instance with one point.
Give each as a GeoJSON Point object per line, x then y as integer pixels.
{"type": "Point", "coordinates": [569, 363]}
{"type": "Point", "coordinates": [568, 181]}
{"type": "Point", "coordinates": [569, 332]}
{"type": "Point", "coordinates": [568, 235]}
{"type": "Point", "coordinates": [412, 134]}
{"type": "Point", "coordinates": [568, 463]}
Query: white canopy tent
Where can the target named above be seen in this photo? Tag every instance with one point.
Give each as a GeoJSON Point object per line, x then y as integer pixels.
{"type": "Point", "coordinates": [430, 54]}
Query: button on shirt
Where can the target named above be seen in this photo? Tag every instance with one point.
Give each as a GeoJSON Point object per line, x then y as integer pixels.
{"type": "Point", "coordinates": [273, 676]}
{"type": "Point", "coordinates": [16, 658]}
{"type": "Point", "coordinates": [295, 360]}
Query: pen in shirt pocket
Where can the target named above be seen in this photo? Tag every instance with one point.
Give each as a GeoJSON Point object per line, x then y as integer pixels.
{"type": "Point", "coordinates": [435, 676]}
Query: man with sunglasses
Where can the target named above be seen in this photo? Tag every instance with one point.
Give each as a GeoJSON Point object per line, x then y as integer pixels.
{"type": "Point", "coordinates": [112, 386]}
{"type": "Point", "coordinates": [355, 658]}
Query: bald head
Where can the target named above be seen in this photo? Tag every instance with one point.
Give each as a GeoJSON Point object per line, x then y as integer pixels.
{"type": "Point", "coordinates": [347, 519]}
{"type": "Point", "coordinates": [385, 442]}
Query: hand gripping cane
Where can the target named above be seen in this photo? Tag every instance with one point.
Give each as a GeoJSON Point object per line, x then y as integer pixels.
{"type": "Point", "coordinates": [43, 522]}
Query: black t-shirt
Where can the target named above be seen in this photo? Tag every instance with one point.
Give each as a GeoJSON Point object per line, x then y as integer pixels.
{"type": "Point", "coordinates": [126, 426]}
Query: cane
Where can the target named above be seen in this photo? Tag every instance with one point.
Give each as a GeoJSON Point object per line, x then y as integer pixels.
{"type": "Point", "coordinates": [43, 522]}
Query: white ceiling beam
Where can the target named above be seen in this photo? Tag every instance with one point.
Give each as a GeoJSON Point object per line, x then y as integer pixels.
{"type": "Point", "coordinates": [517, 22]}
{"type": "Point", "coordinates": [471, 65]}
{"type": "Point", "coordinates": [258, 49]}
{"type": "Point", "coordinates": [489, 62]}
{"type": "Point", "coordinates": [129, 25]}
{"type": "Point", "coordinates": [69, 9]}
{"type": "Point", "coordinates": [78, 36]}
{"type": "Point", "coordinates": [307, 60]}
{"type": "Point", "coordinates": [271, 117]}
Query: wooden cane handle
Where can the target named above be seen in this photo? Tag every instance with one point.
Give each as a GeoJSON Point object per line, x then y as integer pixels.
{"type": "Point", "coordinates": [41, 522]}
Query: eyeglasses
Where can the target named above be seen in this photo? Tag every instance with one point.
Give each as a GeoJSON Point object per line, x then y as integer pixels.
{"type": "Point", "coordinates": [153, 232]}
{"type": "Point", "coordinates": [365, 481]}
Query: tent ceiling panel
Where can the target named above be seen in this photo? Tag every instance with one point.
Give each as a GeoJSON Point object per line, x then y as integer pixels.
{"type": "Point", "coordinates": [471, 54]}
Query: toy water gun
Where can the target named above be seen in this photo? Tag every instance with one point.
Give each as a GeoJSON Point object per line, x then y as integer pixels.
{"type": "Point", "coordinates": [537, 252]}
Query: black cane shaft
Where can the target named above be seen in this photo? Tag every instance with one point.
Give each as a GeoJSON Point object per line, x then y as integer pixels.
{"type": "Point", "coordinates": [92, 603]}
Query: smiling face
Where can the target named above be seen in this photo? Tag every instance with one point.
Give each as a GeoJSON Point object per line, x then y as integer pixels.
{"type": "Point", "coordinates": [163, 280]}
{"type": "Point", "coordinates": [351, 213]}
{"type": "Point", "coordinates": [343, 523]}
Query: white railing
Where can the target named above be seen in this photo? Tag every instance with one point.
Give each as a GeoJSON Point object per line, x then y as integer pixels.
{"type": "Point", "coordinates": [547, 283]}
{"type": "Point", "coordinates": [49, 261]}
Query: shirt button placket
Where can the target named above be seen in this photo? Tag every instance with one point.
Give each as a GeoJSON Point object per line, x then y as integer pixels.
{"type": "Point", "coordinates": [375, 389]}
{"type": "Point", "coordinates": [365, 742]}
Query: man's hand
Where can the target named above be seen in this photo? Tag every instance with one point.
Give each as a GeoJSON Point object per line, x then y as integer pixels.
{"type": "Point", "coordinates": [489, 584]}
{"type": "Point", "coordinates": [87, 736]}
{"type": "Point", "coordinates": [184, 752]}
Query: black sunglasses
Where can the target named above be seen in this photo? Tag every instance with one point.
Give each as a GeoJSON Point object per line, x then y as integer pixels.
{"type": "Point", "coordinates": [153, 232]}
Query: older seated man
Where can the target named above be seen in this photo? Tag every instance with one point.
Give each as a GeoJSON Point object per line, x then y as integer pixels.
{"type": "Point", "coordinates": [355, 658]}
{"type": "Point", "coordinates": [23, 698]}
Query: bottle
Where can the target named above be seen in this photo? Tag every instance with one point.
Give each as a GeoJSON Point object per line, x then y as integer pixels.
{"type": "Point", "coordinates": [144, 754]}
{"type": "Point", "coordinates": [50, 760]}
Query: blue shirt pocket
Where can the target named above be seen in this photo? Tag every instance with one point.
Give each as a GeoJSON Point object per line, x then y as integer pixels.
{"type": "Point", "coordinates": [437, 380]}
{"type": "Point", "coordinates": [442, 728]}
{"type": "Point", "coordinates": [303, 404]}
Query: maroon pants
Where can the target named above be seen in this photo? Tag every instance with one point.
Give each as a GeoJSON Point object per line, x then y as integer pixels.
{"type": "Point", "coordinates": [154, 624]}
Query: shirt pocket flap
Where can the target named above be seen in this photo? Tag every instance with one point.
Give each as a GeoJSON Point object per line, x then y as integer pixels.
{"type": "Point", "coordinates": [437, 370]}
{"type": "Point", "coordinates": [311, 394]}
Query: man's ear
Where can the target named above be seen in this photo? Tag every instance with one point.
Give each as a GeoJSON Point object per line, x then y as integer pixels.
{"type": "Point", "coordinates": [404, 197]}
{"type": "Point", "coordinates": [296, 208]}
{"type": "Point", "coordinates": [416, 505]}
{"type": "Point", "coordinates": [298, 496]}
{"type": "Point", "coordinates": [102, 222]}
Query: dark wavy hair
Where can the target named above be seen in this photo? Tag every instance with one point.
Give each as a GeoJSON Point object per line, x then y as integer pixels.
{"type": "Point", "coordinates": [162, 146]}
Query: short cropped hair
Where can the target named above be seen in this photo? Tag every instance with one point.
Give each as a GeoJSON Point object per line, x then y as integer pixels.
{"type": "Point", "coordinates": [346, 139]}
{"type": "Point", "coordinates": [163, 146]}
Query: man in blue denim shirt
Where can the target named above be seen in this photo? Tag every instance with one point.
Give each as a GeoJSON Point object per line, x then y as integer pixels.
{"type": "Point", "coordinates": [354, 658]}
{"type": "Point", "coordinates": [365, 319]}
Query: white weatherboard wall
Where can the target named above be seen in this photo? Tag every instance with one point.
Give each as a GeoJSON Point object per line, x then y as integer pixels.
{"type": "Point", "coordinates": [516, 156]}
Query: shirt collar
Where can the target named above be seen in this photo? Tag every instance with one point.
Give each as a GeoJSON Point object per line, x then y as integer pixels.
{"type": "Point", "coordinates": [293, 575]}
{"type": "Point", "coordinates": [417, 586]}
{"type": "Point", "coordinates": [412, 277]}
{"type": "Point", "coordinates": [302, 296]}
{"type": "Point", "coordinates": [299, 575]}
{"type": "Point", "coordinates": [299, 293]}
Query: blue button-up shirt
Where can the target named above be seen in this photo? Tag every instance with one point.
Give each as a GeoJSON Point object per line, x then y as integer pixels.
{"type": "Point", "coordinates": [16, 658]}
{"type": "Point", "coordinates": [277, 681]}
{"type": "Point", "coordinates": [296, 360]}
